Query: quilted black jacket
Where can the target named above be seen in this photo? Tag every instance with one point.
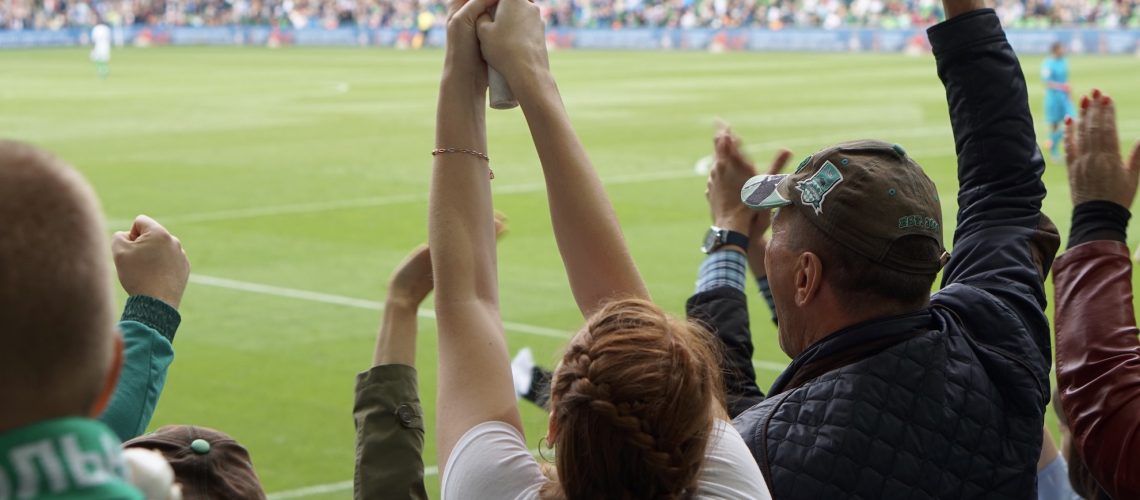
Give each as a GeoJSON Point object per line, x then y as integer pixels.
{"type": "Point", "coordinates": [948, 401]}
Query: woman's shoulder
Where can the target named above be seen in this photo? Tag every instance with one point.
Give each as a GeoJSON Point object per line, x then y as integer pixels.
{"type": "Point", "coordinates": [491, 460]}
{"type": "Point", "coordinates": [730, 471]}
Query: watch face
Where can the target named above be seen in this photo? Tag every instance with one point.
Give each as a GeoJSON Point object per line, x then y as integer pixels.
{"type": "Point", "coordinates": [712, 240]}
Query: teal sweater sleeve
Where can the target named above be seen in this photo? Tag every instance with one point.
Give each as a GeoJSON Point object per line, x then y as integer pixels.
{"type": "Point", "coordinates": [148, 327]}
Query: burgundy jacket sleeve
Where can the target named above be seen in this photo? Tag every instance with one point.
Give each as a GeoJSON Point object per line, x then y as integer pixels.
{"type": "Point", "coordinates": [1098, 361]}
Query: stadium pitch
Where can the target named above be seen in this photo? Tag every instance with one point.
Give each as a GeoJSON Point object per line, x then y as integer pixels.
{"type": "Point", "coordinates": [297, 179]}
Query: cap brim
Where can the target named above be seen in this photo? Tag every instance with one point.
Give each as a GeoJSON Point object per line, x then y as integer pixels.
{"type": "Point", "coordinates": [762, 192]}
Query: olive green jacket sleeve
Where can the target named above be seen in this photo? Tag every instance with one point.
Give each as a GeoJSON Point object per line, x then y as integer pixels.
{"type": "Point", "coordinates": [148, 326]}
{"type": "Point", "coordinates": [389, 434]}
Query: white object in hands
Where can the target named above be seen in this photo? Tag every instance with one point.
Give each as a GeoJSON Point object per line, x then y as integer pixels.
{"type": "Point", "coordinates": [151, 473]}
{"type": "Point", "coordinates": [501, 95]}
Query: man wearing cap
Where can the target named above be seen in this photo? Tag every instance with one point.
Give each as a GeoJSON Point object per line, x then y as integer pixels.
{"type": "Point", "coordinates": [892, 392]}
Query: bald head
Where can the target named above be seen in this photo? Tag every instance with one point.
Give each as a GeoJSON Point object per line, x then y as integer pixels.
{"type": "Point", "coordinates": [56, 310]}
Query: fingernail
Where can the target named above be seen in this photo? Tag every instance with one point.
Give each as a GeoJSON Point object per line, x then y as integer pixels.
{"type": "Point", "coordinates": [1068, 120]}
{"type": "Point", "coordinates": [1107, 100]}
{"type": "Point", "coordinates": [1084, 102]}
{"type": "Point", "coordinates": [1096, 93]}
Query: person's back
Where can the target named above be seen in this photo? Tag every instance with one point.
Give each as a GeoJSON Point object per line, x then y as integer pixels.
{"type": "Point", "coordinates": [59, 352]}
{"type": "Point", "coordinates": [894, 393]}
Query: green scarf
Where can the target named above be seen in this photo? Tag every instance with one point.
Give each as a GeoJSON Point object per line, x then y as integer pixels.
{"type": "Point", "coordinates": [63, 459]}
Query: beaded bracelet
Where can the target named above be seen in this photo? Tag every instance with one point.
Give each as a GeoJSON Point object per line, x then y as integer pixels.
{"type": "Point", "coordinates": [439, 151]}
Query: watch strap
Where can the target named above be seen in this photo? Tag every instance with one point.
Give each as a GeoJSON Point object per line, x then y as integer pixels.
{"type": "Point", "coordinates": [734, 238]}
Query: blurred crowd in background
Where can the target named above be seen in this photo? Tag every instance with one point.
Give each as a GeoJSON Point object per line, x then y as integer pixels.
{"type": "Point", "coordinates": [604, 14]}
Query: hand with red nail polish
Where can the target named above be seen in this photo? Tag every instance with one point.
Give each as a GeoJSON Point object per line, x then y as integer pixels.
{"type": "Point", "coordinates": [1092, 154]}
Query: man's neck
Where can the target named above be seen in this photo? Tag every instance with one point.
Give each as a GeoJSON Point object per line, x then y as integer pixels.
{"type": "Point", "coordinates": [839, 318]}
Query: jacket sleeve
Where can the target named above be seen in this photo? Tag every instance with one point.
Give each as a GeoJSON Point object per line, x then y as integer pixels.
{"type": "Point", "coordinates": [148, 326]}
{"type": "Point", "coordinates": [389, 434]}
{"type": "Point", "coordinates": [1003, 245]}
{"type": "Point", "coordinates": [1098, 361]}
{"type": "Point", "coordinates": [725, 311]}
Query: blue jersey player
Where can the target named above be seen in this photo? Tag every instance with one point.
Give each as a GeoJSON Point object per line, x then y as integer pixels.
{"type": "Point", "coordinates": [1055, 73]}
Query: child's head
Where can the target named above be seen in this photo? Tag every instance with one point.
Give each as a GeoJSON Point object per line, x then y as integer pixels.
{"type": "Point", "coordinates": [59, 351]}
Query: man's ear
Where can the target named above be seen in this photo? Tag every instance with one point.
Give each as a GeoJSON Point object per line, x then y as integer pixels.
{"type": "Point", "coordinates": [808, 278]}
{"type": "Point", "coordinates": [112, 379]}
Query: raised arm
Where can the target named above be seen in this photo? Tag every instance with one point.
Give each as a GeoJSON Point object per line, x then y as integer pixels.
{"type": "Point", "coordinates": [1098, 353]}
{"type": "Point", "coordinates": [474, 367]}
{"type": "Point", "coordinates": [593, 249]}
{"type": "Point", "coordinates": [1002, 244]}
{"type": "Point", "coordinates": [153, 270]}
{"type": "Point", "coordinates": [719, 301]}
{"type": "Point", "coordinates": [387, 412]}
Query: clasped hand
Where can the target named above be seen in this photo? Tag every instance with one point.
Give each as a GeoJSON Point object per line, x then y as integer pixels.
{"type": "Point", "coordinates": [509, 35]}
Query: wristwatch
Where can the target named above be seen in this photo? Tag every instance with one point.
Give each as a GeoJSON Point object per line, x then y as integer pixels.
{"type": "Point", "coordinates": [718, 237]}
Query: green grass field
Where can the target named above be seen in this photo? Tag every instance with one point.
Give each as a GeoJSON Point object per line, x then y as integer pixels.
{"type": "Point", "coordinates": [297, 179]}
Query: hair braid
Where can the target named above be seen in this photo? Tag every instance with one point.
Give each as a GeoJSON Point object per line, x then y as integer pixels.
{"type": "Point", "coordinates": [632, 406]}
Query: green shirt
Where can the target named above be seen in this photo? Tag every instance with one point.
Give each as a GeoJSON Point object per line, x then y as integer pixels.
{"type": "Point", "coordinates": [148, 327]}
{"type": "Point", "coordinates": [67, 458]}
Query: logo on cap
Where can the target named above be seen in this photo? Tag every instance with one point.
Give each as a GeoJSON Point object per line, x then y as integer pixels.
{"type": "Point", "coordinates": [814, 189]}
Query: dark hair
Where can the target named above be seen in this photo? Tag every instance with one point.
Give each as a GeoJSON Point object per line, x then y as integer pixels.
{"type": "Point", "coordinates": [865, 283]}
{"type": "Point", "coordinates": [632, 404]}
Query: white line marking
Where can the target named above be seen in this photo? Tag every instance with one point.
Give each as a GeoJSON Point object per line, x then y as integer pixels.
{"type": "Point", "coordinates": [769, 365]}
{"type": "Point", "coordinates": [340, 300]}
{"type": "Point", "coordinates": [273, 210]}
{"type": "Point", "coordinates": [321, 489]}
{"type": "Point", "coordinates": [374, 201]}
{"type": "Point", "coordinates": [705, 163]}
{"type": "Point", "coordinates": [372, 305]}
{"type": "Point", "coordinates": [309, 491]}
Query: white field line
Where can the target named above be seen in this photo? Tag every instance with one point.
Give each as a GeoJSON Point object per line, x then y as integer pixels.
{"type": "Point", "coordinates": [340, 300]}
{"type": "Point", "coordinates": [704, 164]}
{"type": "Point", "coordinates": [769, 365]}
{"type": "Point", "coordinates": [322, 489]}
{"type": "Point", "coordinates": [315, 490]}
{"type": "Point", "coordinates": [375, 201]}
{"type": "Point", "coordinates": [699, 169]}
{"type": "Point", "coordinates": [372, 305]}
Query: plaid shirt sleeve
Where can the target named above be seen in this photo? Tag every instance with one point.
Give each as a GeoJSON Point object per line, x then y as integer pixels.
{"type": "Point", "coordinates": [722, 268]}
{"type": "Point", "coordinates": [766, 292]}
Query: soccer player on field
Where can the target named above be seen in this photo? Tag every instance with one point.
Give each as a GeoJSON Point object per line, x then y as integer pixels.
{"type": "Point", "coordinates": [1055, 73]}
{"type": "Point", "coordinates": [101, 52]}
